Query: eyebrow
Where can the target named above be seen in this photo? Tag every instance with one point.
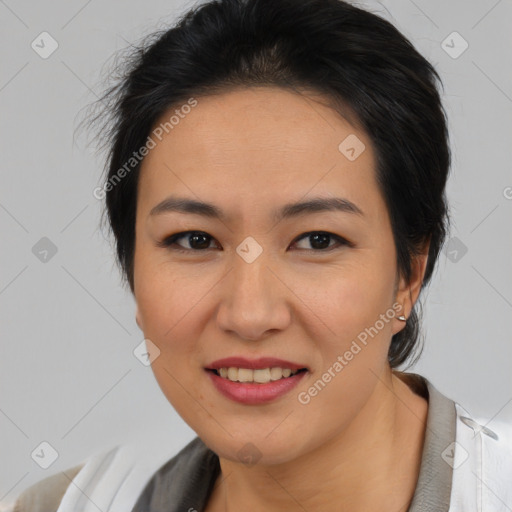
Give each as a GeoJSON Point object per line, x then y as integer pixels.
{"type": "Point", "coordinates": [317, 204]}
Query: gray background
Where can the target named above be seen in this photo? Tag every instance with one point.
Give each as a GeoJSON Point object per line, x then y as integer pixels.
{"type": "Point", "coordinates": [68, 373]}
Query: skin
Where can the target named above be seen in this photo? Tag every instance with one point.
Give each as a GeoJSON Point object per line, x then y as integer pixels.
{"type": "Point", "coordinates": [357, 444]}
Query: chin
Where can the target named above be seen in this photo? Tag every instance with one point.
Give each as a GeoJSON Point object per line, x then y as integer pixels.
{"type": "Point", "coordinates": [255, 448]}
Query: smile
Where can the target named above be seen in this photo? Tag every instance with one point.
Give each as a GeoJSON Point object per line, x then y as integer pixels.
{"type": "Point", "coordinates": [261, 376]}
{"type": "Point", "coordinates": [273, 383]}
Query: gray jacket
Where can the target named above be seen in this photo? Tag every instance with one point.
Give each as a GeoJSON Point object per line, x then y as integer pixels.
{"type": "Point", "coordinates": [184, 482]}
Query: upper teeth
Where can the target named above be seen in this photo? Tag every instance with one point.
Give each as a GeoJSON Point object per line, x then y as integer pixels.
{"type": "Point", "coordinates": [261, 375]}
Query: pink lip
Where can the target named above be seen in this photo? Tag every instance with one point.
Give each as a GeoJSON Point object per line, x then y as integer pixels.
{"type": "Point", "coordinates": [254, 364]}
{"type": "Point", "coordinates": [254, 393]}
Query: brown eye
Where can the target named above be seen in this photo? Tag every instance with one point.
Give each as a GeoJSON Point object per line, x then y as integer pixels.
{"type": "Point", "coordinates": [196, 241]}
{"type": "Point", "coordinates": [321, 240]}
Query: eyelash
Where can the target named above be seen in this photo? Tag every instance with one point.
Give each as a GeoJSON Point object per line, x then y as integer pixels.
{"type": "Point", "coordinates": [171, 240]}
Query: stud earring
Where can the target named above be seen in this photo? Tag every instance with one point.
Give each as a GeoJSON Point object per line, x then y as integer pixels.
{"type": "Point", "coordinates": [402, 318]}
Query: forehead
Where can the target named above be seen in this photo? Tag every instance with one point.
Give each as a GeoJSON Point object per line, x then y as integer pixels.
{"type": "Point", "coordinates": [257, 145]}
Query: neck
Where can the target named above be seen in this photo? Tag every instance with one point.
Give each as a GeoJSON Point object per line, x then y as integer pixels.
{"type": "Point", "coordinates": [372, 465]}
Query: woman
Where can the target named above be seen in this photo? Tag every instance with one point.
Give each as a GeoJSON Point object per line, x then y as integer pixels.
{"type": "Point", "coordinates": [276, 189]}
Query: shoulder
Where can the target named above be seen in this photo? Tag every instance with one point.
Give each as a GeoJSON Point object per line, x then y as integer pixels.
{"type": "Point", "coordinates": [113, 478]}
{"type": "Point", "coordinates": [46, 494]}
{"type": "Point", "coordinates": [185, 480]}
{"type": "Point", "coordinates": [482, 460]}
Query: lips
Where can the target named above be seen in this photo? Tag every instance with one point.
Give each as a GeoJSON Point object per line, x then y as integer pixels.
{"type": "Point", "coordinates": [255, 393]}
{"type": "Point", "coordinates": [254, 364]}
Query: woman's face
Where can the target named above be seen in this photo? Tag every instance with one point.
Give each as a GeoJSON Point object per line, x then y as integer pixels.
{"type": "Point", "coordinates": [255, 283]}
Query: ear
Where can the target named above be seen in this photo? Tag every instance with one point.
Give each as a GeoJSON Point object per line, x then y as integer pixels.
{"type": "Point", "coordinates": [408, 292]}
{"type": "Point", "coordinates": [137, 319]}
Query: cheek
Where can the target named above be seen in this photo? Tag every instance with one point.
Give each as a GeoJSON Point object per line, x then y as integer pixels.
{"type": "Point", "coordinates": [168, 307]}
{"type": "Point", "coordinates": [163, 291]}
{"type": "Point", "coordinates": [352, 341]}
{"type": "Point", "coordinates": [174, 307]}
{"type": "Point", "coordinates": [345, 299]}
{"type": "Point", "coordinates": [164, 301]}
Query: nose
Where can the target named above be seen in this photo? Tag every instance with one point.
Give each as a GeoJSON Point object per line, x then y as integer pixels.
{"type": "Point", "coordinates": [254, 301]}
